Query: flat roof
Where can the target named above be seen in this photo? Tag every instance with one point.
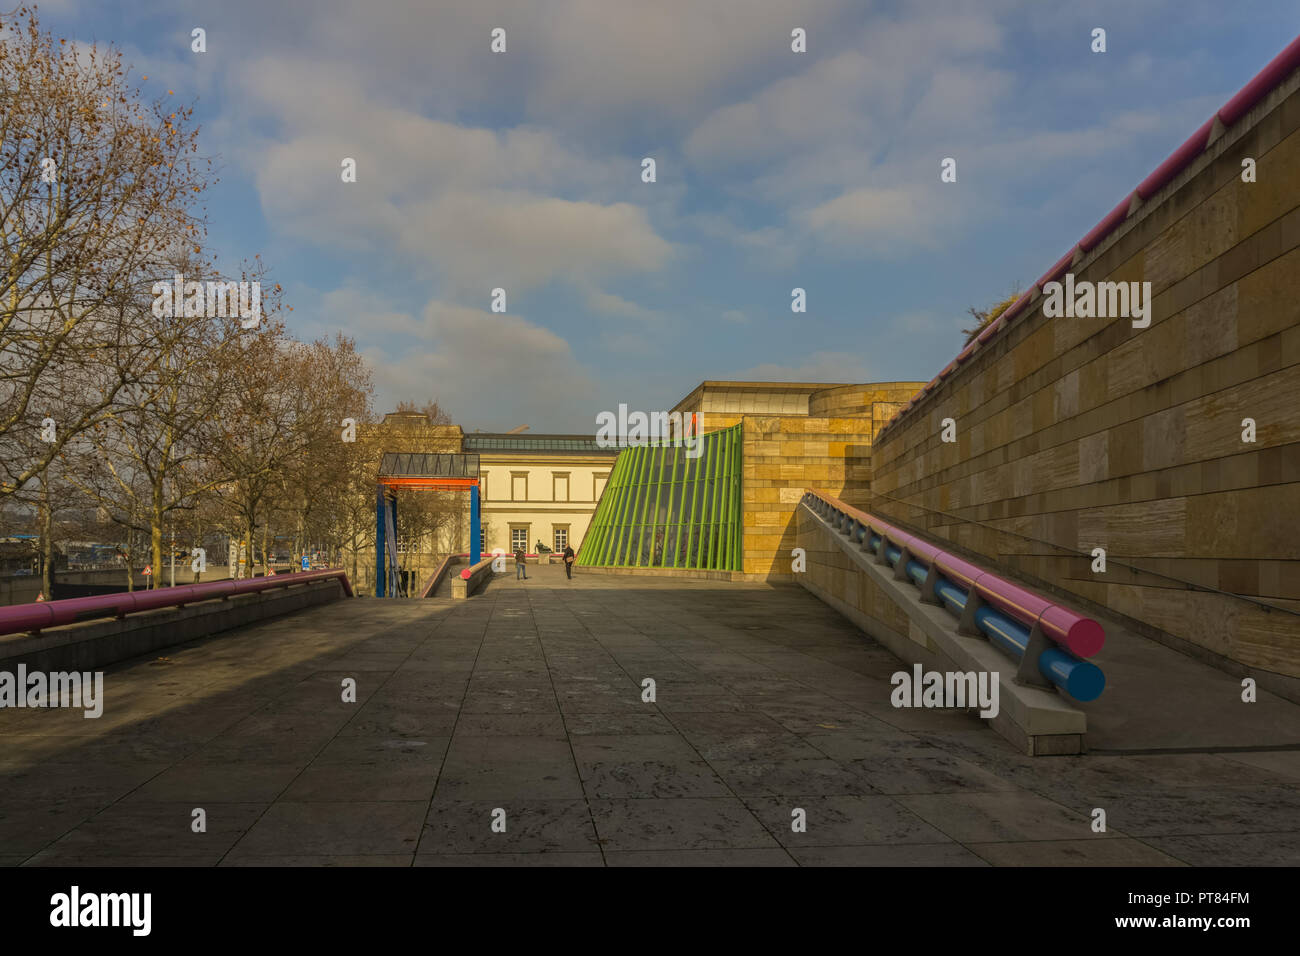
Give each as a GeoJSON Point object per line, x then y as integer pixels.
{"type": "Point", "coordinates": [485, 442]}
{"type": "Point", "coordinates": [710, 383]}
{"type": "Point", "coordinates": [404, 465]}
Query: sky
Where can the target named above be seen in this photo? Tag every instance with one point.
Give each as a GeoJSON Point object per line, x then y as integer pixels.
{"type": "Point", "coordinates": [775, 170]}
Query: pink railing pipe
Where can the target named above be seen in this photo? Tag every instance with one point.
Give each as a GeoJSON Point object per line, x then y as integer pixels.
{"type": "Point", "coordinates": [20, 618]}
{"type": "Point", "coordinates": [1083, 636]}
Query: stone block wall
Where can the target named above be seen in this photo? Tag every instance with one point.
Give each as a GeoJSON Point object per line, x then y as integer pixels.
{"type": "Point", "coordinates": [1075, 434]}
{"type": "Point", "coordinates": [784, 456]}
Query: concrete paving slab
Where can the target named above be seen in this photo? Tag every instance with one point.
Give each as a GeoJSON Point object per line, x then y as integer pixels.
{"type": "Point", "coordinates": [510, 859]}
{"type": "Point", "coordinates": [740, 747]}
{"type": "Point", "coordinates": [1247, 849]}
{"type": "Point", "coordinates": [841, 821]}
{"type": "Point", "coordinates": [677, 858]}
{"type": "Point", "coordinates": [24, 830]}
{"type": "Point", "coordinates": [327, 829]}
{"type": "Point", "coordinates": [1001, 817]}
{"type": "Point", "coordinates": [528, 698]}
{"type": "Point", "coordinates": [138, 828]}
{"type": "Point", "coordinates": [77, 857]}
{"type": "Point", "coordinates": [373, 860]}
{"type": "Point", "coordinates": [1078, 852]}
{"type": "Point", "coordinates": [54, 784]}
{"type": "Point", "coordinates": [1284, 762]}
{"type": "Point", "coordinates": [703, 726]}
{"type": "Point", "coordinates": [927, 773]}
{"type": "Point", "coordinates": [346, 783]}
{"type": "Point", "coordinates": [534, 826]}
{"type": "Point", "coordinates": [382, 718]}
{"type": "Point", "coordinates": [643, 722]}
{"type": "Point", "coordinates": [854, 745]}
{"type": "Point", "coordinates": [500, 768]}
{"type": "Point", "coordinates": [778, 778]}
{"type": "Point", "coordinates": [636, 776]}
{"type": "Point", "coordinates": [1188, 810]}
{"type": "Point", "coordinates": [677, 823]}
{"type": "Point", "coordinates": [199, 783]}
{"type": "Point", "coordinates": [942, 854]}
{"type": "Point", "coordinates": [510, 725]}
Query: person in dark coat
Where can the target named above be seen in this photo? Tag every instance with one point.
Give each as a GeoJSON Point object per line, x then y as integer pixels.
{"type": "Point", "coordinates": [568, 562]}
{"type": "Point", "coordinates": [521, 570]}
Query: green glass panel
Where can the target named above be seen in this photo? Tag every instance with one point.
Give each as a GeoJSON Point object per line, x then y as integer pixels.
{"type": "Point", "coordinates": [664, 509]}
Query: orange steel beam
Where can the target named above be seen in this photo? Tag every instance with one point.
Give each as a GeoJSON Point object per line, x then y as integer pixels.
{"type": "Point", "coordinates": [429, 482]}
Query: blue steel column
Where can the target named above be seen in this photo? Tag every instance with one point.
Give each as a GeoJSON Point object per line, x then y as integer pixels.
{"type": "Point", "coordinates": [381, 559]}
{"type": "Point", "coordinates": [475, 535]}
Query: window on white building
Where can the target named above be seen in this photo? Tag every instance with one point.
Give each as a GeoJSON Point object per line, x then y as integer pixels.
{"type": "Point", "coordinates": [561, 539]}
{"type": "Point", "coordinates": [519, 538]}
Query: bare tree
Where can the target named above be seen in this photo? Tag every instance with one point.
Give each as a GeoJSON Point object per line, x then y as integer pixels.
{"type": "Point", "coordinates": [96, 188]}
{"type": "Point", "coordinates": [335, 387]}
{"type": "Point", "coordinates": [436, 414]}
{"type": "Point", "coordinates": [282, 420]}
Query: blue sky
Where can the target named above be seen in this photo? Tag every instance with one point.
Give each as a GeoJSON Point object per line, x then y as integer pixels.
{"type": "Point", "coordinates": [522, 170]}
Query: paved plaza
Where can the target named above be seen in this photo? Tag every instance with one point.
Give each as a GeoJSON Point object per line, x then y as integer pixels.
{"type": "Point", "coordinates": [523, 706]}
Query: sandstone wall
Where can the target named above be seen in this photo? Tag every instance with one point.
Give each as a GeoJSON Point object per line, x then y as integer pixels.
{"type": "Point", "coordinates": [1074, 434]}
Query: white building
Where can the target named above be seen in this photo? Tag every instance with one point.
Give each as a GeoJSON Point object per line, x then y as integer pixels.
{"type": "Point", "coordinates": [538, 488]}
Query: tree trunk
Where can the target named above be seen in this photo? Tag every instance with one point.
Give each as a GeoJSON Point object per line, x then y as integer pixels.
{"type": "Point", "coordinates": [47, 543]}
{"type": "Point", "coordinates": [155, 540]}
{"type": "Point", "coordinates": [246, 549]}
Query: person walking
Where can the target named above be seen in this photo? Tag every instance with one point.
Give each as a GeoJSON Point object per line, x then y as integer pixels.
{"type": "Point", "coordinates": [521, 572]}
{"type": "Point", "coordinates": [568, 562]}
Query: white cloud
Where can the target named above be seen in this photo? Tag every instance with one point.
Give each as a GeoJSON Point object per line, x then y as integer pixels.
{"type": "Point", "coordinates": [478, 208]}
{"type": "Point", "coordinates": [513, 241]}
{"type": "Point", "coordinates": [486, 368]}
{"type": "Point", "coordinates": [606, 303]}
{"type": "Point", "coordinates": [884, 219]}
{"type": "Point", "coordinates": [820, 366]}
{"type": "Point", "coordinates": [361, 313]}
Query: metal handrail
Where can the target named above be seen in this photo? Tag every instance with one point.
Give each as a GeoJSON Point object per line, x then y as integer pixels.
{"type": "Point", "coordinates": [1082, 635]}
{"type": "Point", "coordinates": [1020, 622]}
{"type": "Point", "coordinates": [19, 618]}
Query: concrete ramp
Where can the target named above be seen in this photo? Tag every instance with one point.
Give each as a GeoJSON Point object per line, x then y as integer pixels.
{"type": "Point", "coordinates": [1157, 700]}
{"type": "Point", "coordinates": [849, 579]}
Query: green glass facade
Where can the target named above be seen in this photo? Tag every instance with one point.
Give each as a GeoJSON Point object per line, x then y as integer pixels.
{"type": "Point", "coordinates": [663, 509]}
